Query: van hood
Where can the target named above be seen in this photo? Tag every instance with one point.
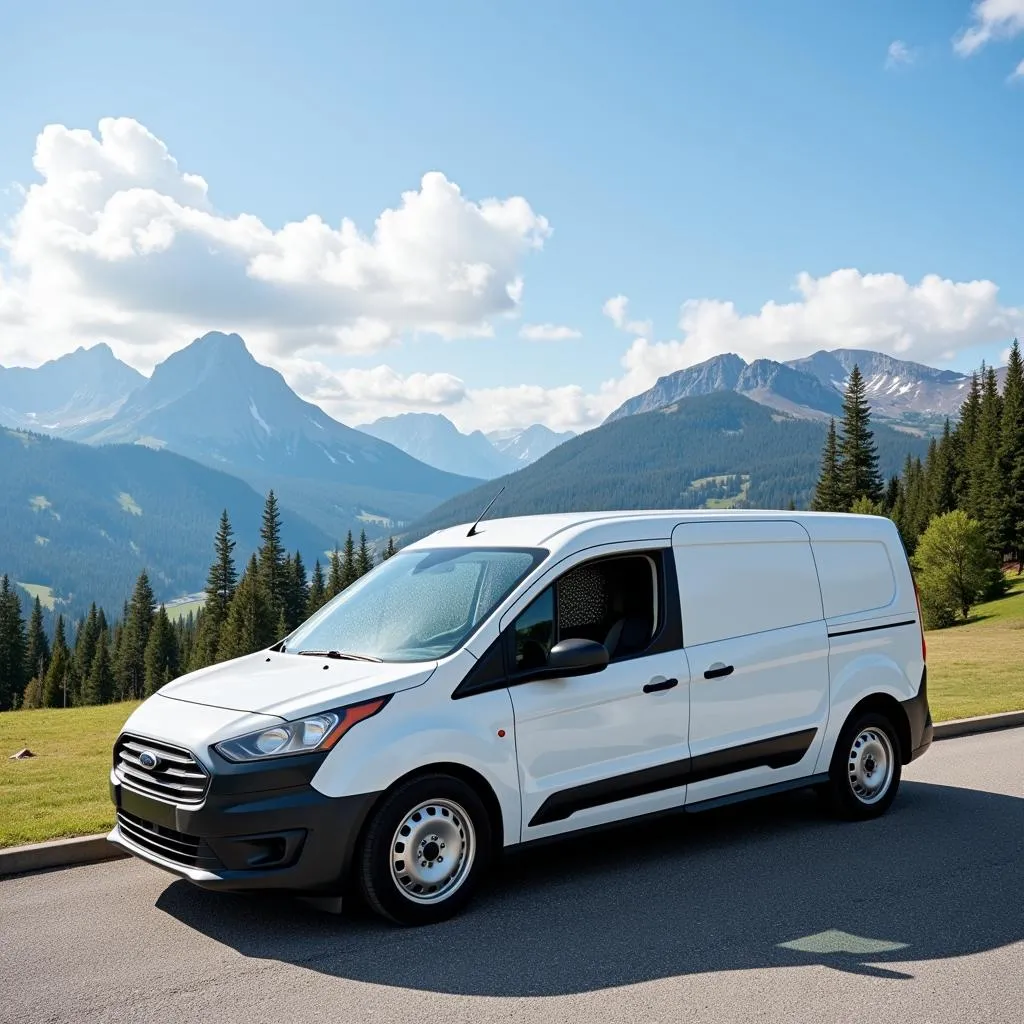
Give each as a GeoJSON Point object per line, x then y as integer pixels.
{"type": "Point", "coordinates": [293, 685]}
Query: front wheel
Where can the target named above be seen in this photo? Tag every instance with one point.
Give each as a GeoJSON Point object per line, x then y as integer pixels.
{"type": "Point", "coordinates": [424, 850]}
{"type": "Point", "coordinates": [866, 767]}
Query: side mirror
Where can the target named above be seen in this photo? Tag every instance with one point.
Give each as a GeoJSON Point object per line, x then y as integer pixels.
{"type": "Point", "coordinates": [576, 657]}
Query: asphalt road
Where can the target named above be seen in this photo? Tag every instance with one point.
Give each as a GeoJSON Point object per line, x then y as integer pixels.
{"type": "Point", "coordinates": [764, 913]}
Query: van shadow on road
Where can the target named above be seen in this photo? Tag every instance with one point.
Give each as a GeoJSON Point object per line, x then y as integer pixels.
{"type": "Point", "coordinates": [939, 876]}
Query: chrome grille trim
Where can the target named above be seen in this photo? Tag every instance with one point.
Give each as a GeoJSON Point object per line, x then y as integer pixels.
{"type": "Point", "coordinates": [178, 778]}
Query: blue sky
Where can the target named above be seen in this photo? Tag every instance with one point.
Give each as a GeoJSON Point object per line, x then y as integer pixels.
{"type": "Point", "coordinates": [678, 151]}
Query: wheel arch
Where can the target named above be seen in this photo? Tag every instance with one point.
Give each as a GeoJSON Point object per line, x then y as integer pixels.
{"type": "Point", "coordinates": [470, 776]}
{"type": "Point", "coordinates": [891, 708]}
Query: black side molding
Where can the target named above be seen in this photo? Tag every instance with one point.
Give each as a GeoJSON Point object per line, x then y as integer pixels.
{"type": "Point", "coordinates": [777, 752]}
{"type": "Point", "coordinates": [871, 629]}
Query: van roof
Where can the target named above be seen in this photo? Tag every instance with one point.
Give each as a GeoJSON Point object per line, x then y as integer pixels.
{"type": "Point", "coordinates": [561, 530]}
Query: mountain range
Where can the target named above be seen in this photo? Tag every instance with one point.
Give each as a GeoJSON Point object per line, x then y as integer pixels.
{"type": "Point", "coordinates": [719, 450]}
{"type": "Point", "coordinates": [82, 387]}
{"type": "Point", "coordinates": [213, 402]}
{"type": "Point", "coordinates": [104, 471]}
{"type": "Point", "coordinates": [909, 394]}
{"type": "Point", "coordinates": [435, 440]}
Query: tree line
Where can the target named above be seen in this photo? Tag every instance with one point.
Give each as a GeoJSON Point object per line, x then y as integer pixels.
{"type": "Point", "coordinates": [960, 510]}
{"type": "Point", "coordinates": [131, 656]}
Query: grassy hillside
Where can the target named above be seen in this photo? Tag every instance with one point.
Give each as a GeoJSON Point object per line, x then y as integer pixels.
{"type": "Point", "coordinates": [978, 668]}
{"type": "Point", "coordinates": [655, 460]}
{"type": "Point", "coordinates": [973, 669]}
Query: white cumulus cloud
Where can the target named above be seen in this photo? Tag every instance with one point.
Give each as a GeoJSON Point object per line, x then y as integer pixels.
{"type": "Point", "coordinates": [117, 242]}
{"type": "Point", "coordinates": [927, 321]}
{"type": "Point", "coordinates": [1017, 75]}
{"type": "Point", "coordinates": [548, 332]}
{"type": "Point", "coordinates": [990, 20]}
{"type": "Point", "coordinates": [617, 310]}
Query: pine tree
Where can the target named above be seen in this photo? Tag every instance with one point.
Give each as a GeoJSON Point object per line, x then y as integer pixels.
{"type": "Point", "coordinates": [161, 654]}
{"type": "Point", "coordinates": [185, 638]}
{"type": "Point", "coordinates": [390, 549]}
{"type": "Point", "coordinates": [297, 593]}
{"type": "Point", "coordinates": [828, 494]}
{"type": "Point", "coordinates": [131, 663]}
{"type": "Point", "coordinates": [335, 579]}
{"type": "Point", "coordinates": [37, 659]}
{"type": "Point", "coordinates": [858, 455]}
{"type": "Point", "coordinates": [1011, 455]}
{"type": "Point", "coordinates": [317, 590]}
{"type": "Point", "coordinates": [221, 580]}
{"type": "Point", "coordinates": [363, 557]}
{"type": "Point", "coordinates": [271, 557]}
{"type": "Point", "coordinates": [99, 684]}
{"type": "Point", "coordinates": [892, 493]}
{"type": "Point", "coordinates": [985, 499]}
{"type": "Point", "coordinates": [85, 645]}
{"type": "Point", "coordinates": [251, 622]}
{"type": "Point", "coordinates": [348, 563]}
{"type": "Point", "coordinates": [964, 438]}
{"type": "Point", "coordinates": [60, 676]}
{"type": "Point", "coordinates": [942, 485]}
{"type": "Point", "coordinates": [13, 646]}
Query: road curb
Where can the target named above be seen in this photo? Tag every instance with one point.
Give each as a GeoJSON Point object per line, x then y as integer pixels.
{"type": "Point", "coordinates": [58, 853]}
{"type": "Point", "coordinates": [983, 723]}
{"type": "Point", "coordinates": [65, 853]}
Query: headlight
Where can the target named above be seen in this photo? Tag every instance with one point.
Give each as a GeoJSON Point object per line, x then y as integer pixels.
{"type": "Point", "coordinates": [318, 732]}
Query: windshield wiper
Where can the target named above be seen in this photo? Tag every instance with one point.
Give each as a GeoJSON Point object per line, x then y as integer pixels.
{"type": "Point", "coordinates": [340, 655]}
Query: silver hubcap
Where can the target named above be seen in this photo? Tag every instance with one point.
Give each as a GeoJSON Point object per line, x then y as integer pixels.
{"type": "Point", "coordinates": [432, 852]}
{"type": "Point", "coordinates": [870, 766]}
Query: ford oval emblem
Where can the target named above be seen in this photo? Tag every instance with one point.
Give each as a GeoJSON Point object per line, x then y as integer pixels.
{"type": "Point", "coordinates": [148, 759]}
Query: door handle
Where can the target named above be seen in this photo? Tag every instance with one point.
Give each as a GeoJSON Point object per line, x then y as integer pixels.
{"type": "Point", "coordinates": [718, 670]}
{"type": "Point", "coordinates": [661, 684]}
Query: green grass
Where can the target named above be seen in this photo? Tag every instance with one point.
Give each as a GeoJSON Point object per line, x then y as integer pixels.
{"type": "Point", "coordinates": [181, 611]}
{"type": "Point", "coordinates": [978, 668]}
{"type": "Point", "coordinates": [63, 790]}
{"type": "Point", "coordinates": [45, 594]}
{"type": "Point", "coordinates": [973, 669]}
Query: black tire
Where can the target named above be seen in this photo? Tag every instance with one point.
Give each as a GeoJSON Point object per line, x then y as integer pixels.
{"type": "Point", "coordinates": [460, 817]}
{"type": "Point", "coordinates": [850, 773]}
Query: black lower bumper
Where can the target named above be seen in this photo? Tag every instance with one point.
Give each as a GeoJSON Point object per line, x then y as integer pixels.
{"type": "Point", "coordinates": [919, 716]}
{"type": "Point", "coordinates": [246, 834]}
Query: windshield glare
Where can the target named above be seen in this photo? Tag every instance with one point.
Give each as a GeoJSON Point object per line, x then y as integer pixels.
{"type": "Point", "coordinates": [419, 605]}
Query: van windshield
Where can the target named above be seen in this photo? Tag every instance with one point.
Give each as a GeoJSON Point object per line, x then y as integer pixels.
{"type": "Point", "coordinates": [418, 605]}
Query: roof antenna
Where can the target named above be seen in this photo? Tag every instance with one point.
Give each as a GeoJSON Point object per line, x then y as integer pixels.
{"type": "Point", "coordinates": [472, 529]}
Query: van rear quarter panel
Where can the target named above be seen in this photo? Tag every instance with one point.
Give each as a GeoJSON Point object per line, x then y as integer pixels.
{"type": "Point", "coordinates": [423, 726]}
{"type": "Point", "coordinates": [870, 613]}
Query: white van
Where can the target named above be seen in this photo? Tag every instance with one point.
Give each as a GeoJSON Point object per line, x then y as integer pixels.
{"type": "Point", "coordinates": [527, 678]}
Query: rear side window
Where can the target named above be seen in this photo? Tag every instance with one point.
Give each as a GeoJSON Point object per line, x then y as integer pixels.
{"type": "Point", "coordinates": [856, 576]}
{"type": "Point", "coordinates": [734, 580]}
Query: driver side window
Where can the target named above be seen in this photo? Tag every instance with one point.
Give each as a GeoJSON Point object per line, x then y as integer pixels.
{"type": "Point", "coordinates": [611, 600]}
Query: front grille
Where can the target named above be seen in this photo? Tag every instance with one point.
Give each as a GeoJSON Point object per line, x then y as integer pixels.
{"type": "Point", "coordinates": [189, 851]}
{"type": "Point", "coordinates": [177, 777]}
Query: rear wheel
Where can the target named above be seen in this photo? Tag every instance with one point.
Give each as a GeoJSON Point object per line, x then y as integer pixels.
{"type": "Point", "coordinates": [866, 767]}
{"type": "Point", "coordinates": [424, 850]}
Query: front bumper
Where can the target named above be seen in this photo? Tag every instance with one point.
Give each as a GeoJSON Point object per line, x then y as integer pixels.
{"type": "Point", "coordinates": [261, 826]}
